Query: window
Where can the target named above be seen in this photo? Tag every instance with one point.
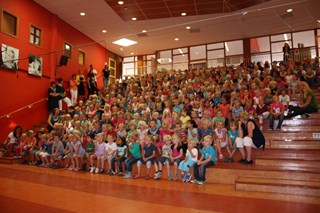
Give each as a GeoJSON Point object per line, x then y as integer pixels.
{"type": "Point", "coordinates": [198, 52]}
{"type": "Point", "coordinates": [67, 50]}
{"type": "Point", "coordinates": [129, 66]}
{"type": "Point", "coordinates": [9, 24]}
{"type": "Point", "coordinates": [303, 39]}
{"type": "Point", "coordinates": [81, 58]}
{"type": "Point", "coordinates": [261, 44]}
{"type": "Point", "coordinates": [35, 35]}
{"type": "Point", "coordinates": [234, 47]}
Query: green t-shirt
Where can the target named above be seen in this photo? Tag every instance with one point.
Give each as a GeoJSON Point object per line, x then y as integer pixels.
{"type": "Point", "coordinates": [135, 150]}
{"type": "Point", "coordinates": [90, 148]}
{"type": "Point", "coordinates": [313, 102]}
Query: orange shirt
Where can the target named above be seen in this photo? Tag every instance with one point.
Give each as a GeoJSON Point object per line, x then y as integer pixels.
{"type": "Point", "coordinates": [73, 85]}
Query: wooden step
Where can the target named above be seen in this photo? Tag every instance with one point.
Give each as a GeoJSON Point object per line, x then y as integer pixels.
{"type": "Point", "coordinates": [281, 186]}
{"type": "Point", "coordinates": [288, 161]}
{"type": "Point", "coordinates": [295, 144]}
{"type": "Point", "coordinates": [10, 160]}
{"type": "Point", "coordinates": [294, 122]}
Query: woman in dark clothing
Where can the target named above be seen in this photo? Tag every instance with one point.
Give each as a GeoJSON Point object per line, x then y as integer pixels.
{"type": "Point", "coordinates": [250, 136]}
{"type": "Point", "coordinates": [53, 97]}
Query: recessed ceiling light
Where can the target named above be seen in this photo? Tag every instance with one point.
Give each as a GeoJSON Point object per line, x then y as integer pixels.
{"type": "Point", "coordinates": [183, 14]}
{"type": "Point", "coordinates": [144, 31]}
{"type": "Point", "coordinates": [120, 2]}
{"type": "Point", "coordinates": [134, 19]}
{"type": "Point", "coordinates": [177, 39]}
{"type": "Point", "coordinates": [124, 42]}
{"type": "Point", "coordinates": [318, 21]}
{"type": "Point", "coordinates": [188, 28]}
{"type": "Point", "coordinates": [289, 10]}
{"type": "Point", "coordinates": [82, 14]}
{"type": "Point", "coordinates": [132, 53]}
{"type": "Point", "coordinates": [104, 31]}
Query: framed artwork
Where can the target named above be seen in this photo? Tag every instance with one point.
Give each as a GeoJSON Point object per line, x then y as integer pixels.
{"type": "Point", "coordinates": [10, 56]}
{"type": "Point", "coordinates": [35, 65]}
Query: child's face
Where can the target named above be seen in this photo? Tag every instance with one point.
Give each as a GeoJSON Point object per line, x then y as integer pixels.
{"type": "Point", "coordinates": [89, 139]}
{"type": "Point", "coordinates": [148, 140]}
{"type": "Point", "coordinates": [233, 127]}
{"type": "Point", "coordinates": [56, 138]}
{"type": "Point", "coordinates": [110, 139]}
{"type": "Point", "coordinates": [191, 145]}
{"type": "Point", "coordinates": [168, 142]}
{"type": "Point", "coordinates": [175, 139]}
{"type": "Point", "coordinates": [206, 142]}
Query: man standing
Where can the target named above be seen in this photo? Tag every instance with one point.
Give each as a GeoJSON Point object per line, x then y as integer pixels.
{"type": "Point", "coordinates": [106, 74]}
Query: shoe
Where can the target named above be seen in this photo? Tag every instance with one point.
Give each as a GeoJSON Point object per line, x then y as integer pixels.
{"type": "Point", "coordinates": [270, 129]}
{"type": "Point", "coordinates": [242, 160]}
{"type": "Point", "coordinates": [183, 177]}
{"type": "Point", "coordinates": [84, 167]}
{"type": "Point", "coordinates": [113, 173]}
{"type": "Point", "coordinates": [157, 176]}
{"type": "Point", "coordinates": [220, 156]}
{"type": "Point", "coordinates": [101, 171]}
{"type": "Point", "coordinates": [194, 181]}
{"type": "Point", "coordinates": [96, 170]}
{"type": "Point", "coordinates": [70, 168]}
{"type": "Point", "coordinates": [128, 176]}
{"type": "Point", "coordinates": [200, 182]}
{"type": "Point", "coordinates": [248, 162]}
{"type": "Point", "coordinates": [175, 176]}
{"type": "Point", "coordinates": [92, 170]}
{"type": "Point", "coordinates": [120, 174]}
{"type": "Point", "coordinates": [188, 177]}
{"type": "Point", "coordinates": [137, 177]}
{"type": "Point", "coordinates": [278, 129]}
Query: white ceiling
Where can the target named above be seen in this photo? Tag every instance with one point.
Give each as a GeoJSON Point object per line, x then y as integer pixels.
{"type": "Point", "coordinates": [263, 19]}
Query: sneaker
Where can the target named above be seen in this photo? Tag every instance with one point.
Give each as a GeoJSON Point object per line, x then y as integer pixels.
{"type": "Point", "coordinates": [270, 129]}
{"type": "Point", "coordinates": [101, 171]}
{"type": "Point", "coordinates": [248, 162]}
{"type": "Point", "coordinates": [188, 177]}
{"type": "Point", "coordinates": [92, 170]}
{"type": "Point", "coordinates": [128, 176]}
{"type": "Point", "coordinates": [109, 171]}
{"type": "Point", "coordinates": [226, 160]}
{"type": "Point", "coordinates": [183, 177]}
{"type": "Point", "coordinates": [113, 173]}
{"type": "Point", "coordinates": [96, 170]}
{"type": "Point", "coordinates": [278, 129]}
{"type": "Point", "coordinates": [242, 160]}
{"type": "Point", "coordinates": [157, 175]}
{"type": "Point", "coordinates": [200, 182]}
{"type": "Point", "coordinates": [194, 181]}
{"type": "Point", "coordinates": [120, 173]}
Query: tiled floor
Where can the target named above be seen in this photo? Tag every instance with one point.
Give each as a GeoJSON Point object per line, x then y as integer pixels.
{"type": "Point", "coordinates": [32, 189]}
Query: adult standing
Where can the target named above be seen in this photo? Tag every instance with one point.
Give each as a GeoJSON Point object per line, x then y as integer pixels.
{"type": "Point", "coordinates": [12, 140]}
{"type": "Point", "coordinates": [62, 93]}
{"type": "Point", "coordinates": [106, 75]}
{"type": "Point", "coordinates": [92, 83]}
{"type": "Point", "coordinates": [53, 97]}
{"type": "Point", "coordinates": [74, 89]}
{"type": "Point", "coordinates": [286, 52]}
{"type": "Point", "coordinates": [80, 80]}
{"type": "Point", "coordinates": [250, 136]}
{"type": "Point", "coordinates": [308, 102]}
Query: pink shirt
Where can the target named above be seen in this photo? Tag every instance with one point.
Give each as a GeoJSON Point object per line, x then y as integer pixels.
{"type": "Point", "coordinates": [277, 108]}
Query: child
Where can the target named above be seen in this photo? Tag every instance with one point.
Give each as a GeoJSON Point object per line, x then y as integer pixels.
{"type": "Point", "coordinates": [100, 148]}
{"type": "Point", "coordinates": [90, 148]}
{"type": "Point", "coordinates": [262, 112]}
{"type": "Point", "coordinates": [154, 131]}
{"type": "Point", "coordinates": [276, 112]}
{"type": "Point", "coordinates": [111, 148]}
{"type": "Point", "coordinates": [218, 117]}
{"type": "Point", "coordinates": [121, 154]}
{"type": "Point", "coordinates": [207, 159]}
{"type": "Point", "coordinates": [143, 131]}
{"type": "Point", "coordinates": [46, 150]}
{"type": "Point", "coordinates": [221, 138]}
{"type": "Point", "coordinates": [193, 131]}
{"type": "Point", "coordinates": [162, 132]}
{"type": "Point", "coordinates": [284, 98]}
{"type": "Point", "coordinates": [148, 156]}
{"type": "Point", "coordinates": [77, 152]}
{"type": "Point", "coordinates": [134, 149]}
{"type": "Point", "coordinates": [249, 108]}
{"type": "Point", "coordinates": [165, 158]}
{"type": "Point", "coordinates": [232, 135]}
{"type": "Point", "coordinates": [236, 109]}
{"type": "Point", "coordinates": [121, 130]}
{"type": "Point", "coordinates": [177, 153]}
{"type": "Point", "coordinates": [190, 159]}
{"type": "Point", "coordinates": [57, 151]}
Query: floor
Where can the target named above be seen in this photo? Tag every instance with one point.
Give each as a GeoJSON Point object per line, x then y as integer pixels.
{"type": "Point", "coordinates": [26, 188]}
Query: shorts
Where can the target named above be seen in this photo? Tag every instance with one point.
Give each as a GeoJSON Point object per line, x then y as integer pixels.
{"type": "Point", "coordinates": [178, 160]}
{"type": "Point", "coordinates": [148, 163]}
{"type": "Point", "coordinates": [163, 160]}
{"type": "Point", "coordinates": [26, 152]}
{"type": "Point", "coordinates": [44, 154]}
{"type": "Point", "coordinates": [223, 144]}
{"type": "Point", "coordinates": [59, 154]}
{"type": "Point", "coordinates": [35, 151]}
{"type": "Point", "coordinates": [109, 158]}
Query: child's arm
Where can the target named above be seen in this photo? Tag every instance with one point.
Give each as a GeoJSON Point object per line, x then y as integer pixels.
{"type": "Point", "coordinates": [151, 156]}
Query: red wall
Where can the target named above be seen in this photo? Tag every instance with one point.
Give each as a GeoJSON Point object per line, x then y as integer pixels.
{"type": "Point", "coordinates": [18, 88]}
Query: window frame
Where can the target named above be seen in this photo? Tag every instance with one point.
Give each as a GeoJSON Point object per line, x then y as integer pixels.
{"type": "Point", "coordinates": [35, 36]}
{"type": "Point", "coordinates": [16, 24]}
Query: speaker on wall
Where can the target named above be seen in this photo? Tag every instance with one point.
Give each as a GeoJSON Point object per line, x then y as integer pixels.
{"type": "Point", "coordinates": [63, 60]}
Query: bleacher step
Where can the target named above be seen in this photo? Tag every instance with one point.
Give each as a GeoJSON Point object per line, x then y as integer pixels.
{"type": "Point", "coordinates": [284, 161]}
{"type": "Point", "coordinates": [281, 186]}
{"type": "Point", "coordinates": [295, 144]}
{"type": "Point", "coordinates": [10, 160]}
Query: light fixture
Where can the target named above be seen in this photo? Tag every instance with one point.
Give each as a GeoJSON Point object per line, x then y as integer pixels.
{"type": "Point", "coordinates": [82, 14]}
{"type": "Point", "coordinates": [134, 19]}
{"type": "Point", "coordinates": [176, 39]}
{"type": "Point", "coordinates": [227, 48]}
{"type": "Point", "coordinates": [188, 27]}
{"type": "Point", "coordinates": [124, 42]}
{"type": "Point", "coordinates": [144, 31]}
{"type": "Point", "coordinates": [132, 53]}
{"type": "Point", "coordinates": [183, 14]}
{"type": "Point", "coordinates": [104, 31]}
{"type": "Point", "coordinates": [318, 21]}
{"type": "Point", "coordinates": [244, 13]}
{"type": "Point", "coordinates": [120, 2]}
{"type": "Point", "coordinates": [180, 51]}
{"type": "Point", "coordinates": [285, 37]}
{"type": "Point", "coordinates": [289, 10]}
{"type": "Point", "coordinates": [196, 53]}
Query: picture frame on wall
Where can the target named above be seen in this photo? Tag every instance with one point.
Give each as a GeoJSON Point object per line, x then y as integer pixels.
{"type": "Point", "coordinates": [35, 65]}
{"type": "Point", "coordinates": [9, 57]}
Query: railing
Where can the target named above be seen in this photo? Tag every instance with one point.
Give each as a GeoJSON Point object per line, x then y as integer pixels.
{"type": "Point", "coordinates": [29, 106]}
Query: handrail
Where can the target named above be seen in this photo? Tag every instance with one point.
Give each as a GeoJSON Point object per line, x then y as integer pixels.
{"type": "Point", "coordinates": [29, 106]}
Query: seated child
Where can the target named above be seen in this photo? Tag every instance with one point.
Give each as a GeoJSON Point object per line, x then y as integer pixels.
{"type": "Point", "coordinates": [189, 160]}
{"type": "Point", "coordinates": [232, 135]}
{"type": "Point", "coordinates": [165, 158]}
{"type": "Point", "coordinates": [121, 154]}
{"type": "Point", "coordinates": [110, 153]}
{"type": "Point", "coordinates": [100, 148]}
{"type": "Point", "coordinates": [134, 149]}
{"type": "Point", "coordinates": [177, 153]}
{"type": "Point", "coordinates": [221, 139]}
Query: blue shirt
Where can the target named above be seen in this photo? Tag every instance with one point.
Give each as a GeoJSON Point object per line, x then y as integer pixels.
{"type": "Point", "coordinates": [206, 152]}
{"type": "Point", "coordinates": [203, 133]}
{"type": "Point", "coordinates": [233, 135]}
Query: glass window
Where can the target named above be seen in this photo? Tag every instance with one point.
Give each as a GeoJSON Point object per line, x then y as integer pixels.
{"type": "Point", "coordinates": [165, 54]}
{"type": "Point", "coordinates": [234, 47]}
{"type": "Point", "coordinates": [180, 58]}
{"type": "Point", "coordinates": [9, 23]}
{"type": "Point", "coordinates": [81, 58]}
{"type": "Point", "coordinates": [128, 59]}
{"type": "Point", "coordinates": [67, 49]}
{"type": "Point", "coordinates": [128, 69]}
{"type": "Point", "coordinates": [149, 57]}
{"type": "Point", "coordinates": [213, 54]}
{"type": "Point", "coordinates": [277, 47]}
{"type": "Point", "coordinates": [261, 44]}
{"type": "Point", "coordinates": [235, 60]}
{"type": "Point", "coordinates": [261, 58]}
{"type": "Point", "coordinates": [277, 57]}
{"type": "Point", "coordinates": [180, 66]}
{"type": "Point", "coordinates": [281, 37]}
{"type": "Point", "coordinates": [180, 51]}
{"type": "Point", "coordinates": [35, 35]}
{"type": "Point", "coordinates": [215, 46]}
{"type": "Point", "coordinates": [198, 52]}
{"type": "Point", "coordinates": [216, 62]}
{"type": "Point", "coordinates": [305, 39]}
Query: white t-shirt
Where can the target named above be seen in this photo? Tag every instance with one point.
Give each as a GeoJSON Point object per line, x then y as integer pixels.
{"type": "Point", "coordinates": [12, 138]}
{"type": "Point", "coordinates": [111, 147]}
{"type": "Point", "coordinates": [194, 152]}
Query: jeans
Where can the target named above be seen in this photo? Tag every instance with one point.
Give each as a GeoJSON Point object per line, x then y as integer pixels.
{"type": "Point", "coordinates": [105, 82]}
{"type": "Point", "coordinates": [294, 111]}
{"type": "Point", "coordinates": [119, 162]}
{"type": "Point", "coordinates": [129, 163]}
{"type": "Point", "coordinates": [272, 118]}
{"type": "Point", "coordinates": [202, 175]}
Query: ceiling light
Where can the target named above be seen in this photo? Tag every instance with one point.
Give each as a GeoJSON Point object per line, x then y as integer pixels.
{"type": "Point", "coordinates": [318, 21]}
{"type": "Point", "coordinates": [82, 14]}
{"type": "Point", "coordinates": [134, 19]}
{"type": "Point", "coordinates": [183, 14]}
{"type": "Point", "coordinates": [188, 28]}
{"type": "Point", "coordinates": [132, 53]}
{"type": "Point", "coordinates": [196, 53]}
{"type": "Point", "coordinates": [289, 10]}
{"type": "Point", "coordinates": [285, 37]}
{"type": "Point", "coordinates": [244, 13]}
{"type": "Point", "coordinates": [104, 31]}
{"type": "Point", "coordinates": [176, 39]}
{"type": "Point", "coordinates": [144, 31]}
{"type": "Point", "coordinates": [120, 2]}
{"type": "Point", "coordinates": [124, 42]}
{"type": "Point", "coordinates": [180, 51]}
{"type": "Point", "coordinates": [227, 48]}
